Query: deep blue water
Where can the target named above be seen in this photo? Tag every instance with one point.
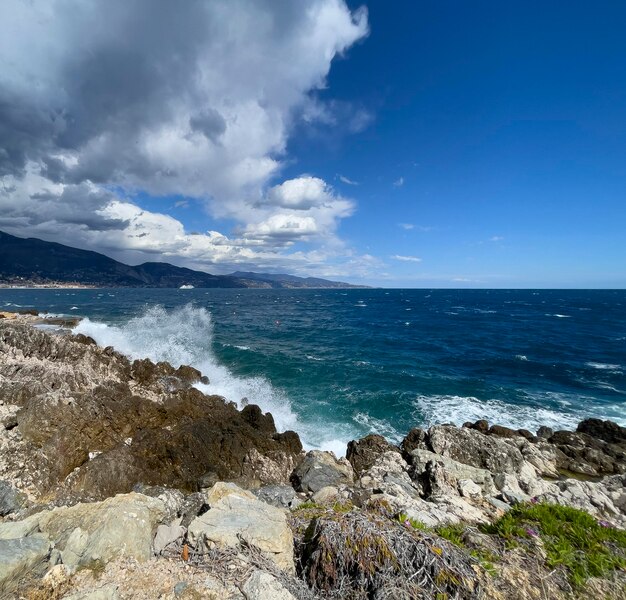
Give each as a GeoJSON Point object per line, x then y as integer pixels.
{"type": "Point", "coordinates": [336, 364]}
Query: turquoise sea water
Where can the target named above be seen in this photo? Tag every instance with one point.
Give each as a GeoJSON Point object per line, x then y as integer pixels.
{"type": "Point", "coordinates": [337, 364]}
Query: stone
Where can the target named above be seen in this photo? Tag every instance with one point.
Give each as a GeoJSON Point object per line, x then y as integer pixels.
{"type": "Point", "coordinates": [545, 432]}
{"type": "Point", "coordinates": [12, 530]}
{"type": "Point", "coordinates": [501, 431]}
{"type": "Point", "coordinates": [281, 496]}
{"type": "Point", "coordinates": [167, 535]}
{"type": "Point", "coordinates": [193, 505]}
{"type": "Point", "coordinates": [104, 592]}
{"type": "Point", "coordinates": [257, 523]}
{"type": "Point", "coordinates": [362, 454]}
{"type": "Point", "coordinates": [469, 489]}
{"type": "Point", "coordinates": [22, 558]}
{"type": "Point", "coordinates": [173, 500]}
{"type": "Point", "coordinates": [607, 431]}
{"type": "Point", "coordinates": [222, 489]}
{"type": "Point", "coordinates": [320, 469]}
{"type": "Point", "coordinates": [263, 586]}
{"type": "Point", "coordinates": [101, 531]}
{"type": "Point", "coordinates": [11, 499]}
{"type": "Point", "coordinates": [416, 438]}
{"type": "Point", "coordinates": [326, 495]}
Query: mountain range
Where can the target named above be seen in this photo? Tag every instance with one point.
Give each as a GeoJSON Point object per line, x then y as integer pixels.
{"type": "Point", "coordinates": [26, 261]}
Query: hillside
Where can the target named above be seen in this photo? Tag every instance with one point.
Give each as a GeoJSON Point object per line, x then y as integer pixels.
{"type": "Point", "coordinates": [34, 261]}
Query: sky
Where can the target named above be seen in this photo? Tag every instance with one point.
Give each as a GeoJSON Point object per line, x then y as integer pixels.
{"type": "Point", "coordinates": [400, 144]}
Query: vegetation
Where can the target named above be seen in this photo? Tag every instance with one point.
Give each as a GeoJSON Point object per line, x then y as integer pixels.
{"type": "Point", "coordinates": [571, 538]}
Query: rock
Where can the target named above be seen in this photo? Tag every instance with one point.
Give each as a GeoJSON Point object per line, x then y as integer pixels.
{"type": "Point", "coordinates": [13, 530]}
{"type": "Point", "coordinates": [581, 453]}
{"type": "Point", "coordinates": [105, 592]}
{"type": "Point", "coordinates": [321, 469]}
{"type": "Point", "coordinates": [607, 431]}
{"type": "Point", "coordinates": [222, 489]}
{"type": "Point", "coordinates": [501, 431]}
{"type": "Point", "coordinates": [91, 424]}
{"type": "Point", "coordinates": [545, 432]}
{"type": "Point", "coordinates": [326, 495]}
{"type": "Point", "coordinates": [257, 523]}
{"type": "Point", "coordinates": [167, 535]}
{"type": "Point", "coordinates": [22, 558]}
{"type": "Point", "coordinates": [262, 586]}
{"type": "Point", "coordinates": [281, 496]}
{"type": "Point", "coordinates": [11, 500]}
{"type": "Point", "coordinates": [173, 500]}
{"type": "Point", "coordinates": [416, 438]}
{"type": "Point", "coordinates": [362, 454]}
{"type": "Point", "coordinates": [98, 532]}
{"type": "Point", "coordinates": [469, 489]}
{"type": "Point", "coordinates": [420, 460]}
{"type": "Point", "coordinates": [193, 505]}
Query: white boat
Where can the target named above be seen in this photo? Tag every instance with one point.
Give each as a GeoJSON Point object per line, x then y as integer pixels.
{"type": "Point", "coordinates": [186, 287]}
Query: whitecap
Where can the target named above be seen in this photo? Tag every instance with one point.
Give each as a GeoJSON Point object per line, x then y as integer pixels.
{"type": "Point", "coordinates": [604, 366]}
{"type": "Point", "coordinates": [522, 357]}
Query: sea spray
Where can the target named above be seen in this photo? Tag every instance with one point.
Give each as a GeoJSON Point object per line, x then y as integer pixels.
{"type": "Point", "coordinates": [184, 336]}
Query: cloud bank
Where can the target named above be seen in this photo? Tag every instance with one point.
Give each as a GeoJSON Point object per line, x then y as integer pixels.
{"type": "Point", "coordinates": [102, 100]}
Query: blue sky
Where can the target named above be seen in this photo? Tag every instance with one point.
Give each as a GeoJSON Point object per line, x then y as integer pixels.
{"type": "Point", "coordinates": [411, 144]}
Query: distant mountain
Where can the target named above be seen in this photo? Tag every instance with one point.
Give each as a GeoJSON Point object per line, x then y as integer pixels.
{"type": "Point", "coordinates": [281, 280]}
{"type": "Point", "coordinates": [33, 261]}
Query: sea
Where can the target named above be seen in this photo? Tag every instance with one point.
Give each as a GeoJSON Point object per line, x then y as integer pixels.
{"type": "Point", "coordinates": [337, 364]}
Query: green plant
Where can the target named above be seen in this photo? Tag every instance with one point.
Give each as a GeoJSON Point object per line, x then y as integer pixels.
{"type": "Point", "coordinates": [414, 523]}
{"type": "Point", "coordinates": [452, 533]}
{"type": "Point", "coordinates": [571, 538]}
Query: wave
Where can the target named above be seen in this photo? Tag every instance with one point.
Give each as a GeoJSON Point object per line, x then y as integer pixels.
{"type": "Point", "coordinates": [437, 409]}
{"type": "Point", "coordinates": [184, 336]}
{"type": "Point", "coordinates": [604, 367]}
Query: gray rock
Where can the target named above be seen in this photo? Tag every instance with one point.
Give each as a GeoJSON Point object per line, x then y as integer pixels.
{"type": "Point", "coordinates": [321, 469]}
{"type": "Point", "coordinates": [101, 531]}
{"type": "Point", "coordinates": [236, 517]}
{"type": "Point", "coordinates": [545, 432]}
{"type": "Point", "coordinates": [193, 505]}
{"type": "Point", "coordinates": [20, 558]}
{"type": "Point", "coordinates": [281, 496]}
{"type": "Point", "coordinates": [167, 535]}
{"type": "Point", "coordinates": [11, 500]}
{"type": "Point", "coordinates": [263, 586]}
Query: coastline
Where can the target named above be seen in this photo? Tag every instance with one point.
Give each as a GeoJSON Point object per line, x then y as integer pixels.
{"type": "Point", "coordinates": [153, 445]}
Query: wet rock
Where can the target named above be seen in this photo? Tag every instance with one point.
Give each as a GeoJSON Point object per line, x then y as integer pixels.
{"type": "Point", "coordinates": [362, 454]}
{"type": "Point", "coordinates": [236, 517]}
{"type": "Point", "coordinates": [22, 558]}
{"type": "Point", "coordinates": [545, 432]}
{"type": "Point", "coordinates": [321, 469]}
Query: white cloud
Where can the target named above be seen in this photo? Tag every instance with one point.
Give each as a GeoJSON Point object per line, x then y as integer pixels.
{"type": "Point", "coordinates": [347, 181]}
{"type": "Point", "coordinates": [402, 258]}
{"type": "Point", "coordinates": [194, 99]}
{"type": "Point", "coordinates": [407, 226]}
{"type": "Point", "coordinates": [496, 238]}
{"type": "Point", "coordinates": [398, 182]}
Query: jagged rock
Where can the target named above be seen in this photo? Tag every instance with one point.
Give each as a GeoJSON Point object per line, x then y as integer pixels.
{"type": "Point", "coordinates": [320, 469]}
{"type": "Point", "coordinates": [416, 438]}
{"type": "Point", "coordinates": [501, 431]}
{"type": "Point", "coordinates": [173, 500]}
{"type": "Point", "coordinates": [607, 431]}
{"type": "Point", "coordinates": [545, 432]}
{"type": "Point", "coordinates": [262, 586]}
{"type": "Point", "coordinates": [92, 424]}
{"type": "Point", "coordinates": [237, 516]}
{"type": "Point", "coordinates": [281, 496]}
{"type": "Point", "coordinates": [193, 505]}
{"type": "Point", "coordinates": [11, 500]}
{"type": "Point", "coordinates": [362, 454]}
{"type": "Point", "coordinates": [21, 558]}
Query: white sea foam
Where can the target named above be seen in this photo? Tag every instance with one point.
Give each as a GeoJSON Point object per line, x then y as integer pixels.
{"type": "Point", "coordinates": [459, 409]}
{"type": "Point", "coordinates": [380, 426]}
{"type": "Point", "coordinates": [604, 366]}
{"type": "Point", "coordinates": [184, 337]}
{"type": "Point", "coordinates": [521, 357]}
{"type": "Point", "coordinates": [559, 316]}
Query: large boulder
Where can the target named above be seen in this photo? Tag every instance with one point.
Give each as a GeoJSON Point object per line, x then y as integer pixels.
{"type": "Point", "coordinates": [11, 499]}
{"type": "Point", "coordinates": [321, 469]}
{"type": "Point", "coordinates": [235, 517]}
{"type": "Point", "coordinates": [95, 533]}
{"type": "Point", "coordinates": [607, 431]}
{"type": "Point", "coordinates": [22, 558]}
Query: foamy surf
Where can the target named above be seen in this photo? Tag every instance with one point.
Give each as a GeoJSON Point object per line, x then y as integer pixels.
{"type": "Point", "coordinates": [184, 336]}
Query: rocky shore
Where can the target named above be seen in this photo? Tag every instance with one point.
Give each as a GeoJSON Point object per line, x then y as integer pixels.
{"type": "Point", "coordinates": [119, 479]}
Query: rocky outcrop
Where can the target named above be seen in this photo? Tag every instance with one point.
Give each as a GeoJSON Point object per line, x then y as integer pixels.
{"type": "Point", "coordinates": [87, 423]}
{"type": "Point", "coordinates": [319, 470]}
